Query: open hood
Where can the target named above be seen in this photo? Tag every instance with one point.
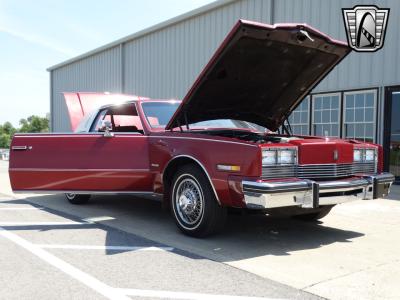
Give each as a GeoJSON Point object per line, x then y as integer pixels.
{"type": "Point", "coordinates": [260, 73]}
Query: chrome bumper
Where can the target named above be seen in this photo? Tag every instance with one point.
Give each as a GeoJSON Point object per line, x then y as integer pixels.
{"type": "Point", "coordinates": [311, 194]}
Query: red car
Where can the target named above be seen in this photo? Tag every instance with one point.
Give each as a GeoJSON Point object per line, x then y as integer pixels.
{"type": "Point", "coordinates": [220, 147]}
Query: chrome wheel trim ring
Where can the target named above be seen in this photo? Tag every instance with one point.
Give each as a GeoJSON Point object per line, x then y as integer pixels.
{"type": "Point", "coordinates": [70, 196]}
{"type": "Point", "coordinates": [188, 202]}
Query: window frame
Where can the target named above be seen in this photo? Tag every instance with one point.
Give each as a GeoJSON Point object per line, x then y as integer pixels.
{"type": "Point", "coordinates": [308, 97]}
{"type": "Point", "coordinates": [104, 108]}
{"type": "Point", "coordinates": [375, 111]}
{"type": "Point", "coordinates": [339, 123]}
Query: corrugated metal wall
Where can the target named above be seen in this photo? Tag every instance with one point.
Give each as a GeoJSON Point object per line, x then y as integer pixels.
{"type": "Point", "coordinates": [358, 70]}
{"type": "Point", "coordinates": [100, 72]}
{"type": "Point", "coordinates": [165, 63]}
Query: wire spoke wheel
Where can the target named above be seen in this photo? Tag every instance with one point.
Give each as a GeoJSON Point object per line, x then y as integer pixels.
{"type": "Point", "coordinates": [77, 198]}
{"type": "Point", "coordinates": [70, 196]}
{"type": "Point", "coordinates": [194, 204]}
{"type": "Point", "coordinates": [189, 201]}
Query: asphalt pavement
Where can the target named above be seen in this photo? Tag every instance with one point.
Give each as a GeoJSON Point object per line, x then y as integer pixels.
{"type": "Point", "coordinates": [122, 247]}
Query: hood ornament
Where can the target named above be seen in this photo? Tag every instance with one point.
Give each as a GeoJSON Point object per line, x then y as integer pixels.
{"type": "Point", "coordinates": [335, 155]}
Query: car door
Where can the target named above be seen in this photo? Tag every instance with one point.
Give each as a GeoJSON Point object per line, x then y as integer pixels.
{"type": "Point", "coordinates": [90, 161]}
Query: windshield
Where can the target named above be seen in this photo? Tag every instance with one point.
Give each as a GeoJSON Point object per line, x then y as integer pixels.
{"type": "Point", "coordinates": [158, 115]}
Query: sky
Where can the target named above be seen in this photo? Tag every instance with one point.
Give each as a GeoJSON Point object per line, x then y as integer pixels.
{"type": "Point", "coordinates": [35, 35]}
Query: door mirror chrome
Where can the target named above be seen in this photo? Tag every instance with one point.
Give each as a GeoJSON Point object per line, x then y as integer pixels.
{"type": "Point", "coordinates": [106, 127]}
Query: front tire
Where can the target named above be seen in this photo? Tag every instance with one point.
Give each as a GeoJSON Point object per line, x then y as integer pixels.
{"type": "Point", "coordinates": [77, 199]}
{"type": "Point", "coordinates": [193, 203]}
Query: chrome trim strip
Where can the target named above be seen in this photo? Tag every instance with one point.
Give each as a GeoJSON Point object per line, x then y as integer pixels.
{"type": "Point", "coordinates": [133, 134]}
{"type": "Point", "coordinates": [304, 185]}
{"type": "Point", "coordinates": [75, 170]}
{"type": "Point", "coordinates": [311, 194]}
{"type": "Point", "coordinates": [382, 178]}
{"type": "Point", "coordinates": [81, 134]}
{"type": "Point", "coordinates": [201, 165]}
{"type": "Point", "coordinates": [276, 187]}
{"type": "Point", "coordinates": [19, 148]}
{"type": "Point", "coordinates": [97, 192]}
{"type": "Point", "coordinates": [342, 185]}
{"type": "Point", "coordinates": [318, 170]}
{"type": "Point", "coordinates": [200, 139]}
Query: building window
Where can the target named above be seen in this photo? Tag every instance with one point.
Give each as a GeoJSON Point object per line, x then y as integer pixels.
{"type": "Point", "coordinates": [326, 117]}
{"type": "Point", "coordinates": [359, 115]}
{"type": "Point", "coordinates": [299, 118]}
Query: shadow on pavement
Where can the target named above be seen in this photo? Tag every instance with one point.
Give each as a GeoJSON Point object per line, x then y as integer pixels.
{"type": "Point", "coordinates": [245, 236]}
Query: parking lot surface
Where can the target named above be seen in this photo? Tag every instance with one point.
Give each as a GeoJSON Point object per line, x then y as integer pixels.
{"type": "Point", "coordinates": [121, 247]}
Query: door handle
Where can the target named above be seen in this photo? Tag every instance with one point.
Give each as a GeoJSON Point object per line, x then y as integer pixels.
{"type": "Point", "coordinates": [21, 148]}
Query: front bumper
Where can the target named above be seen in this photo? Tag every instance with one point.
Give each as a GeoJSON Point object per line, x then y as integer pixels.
{"type": "Point", "coordinates": [311, 194]}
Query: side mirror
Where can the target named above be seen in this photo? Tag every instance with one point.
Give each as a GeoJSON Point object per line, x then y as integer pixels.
{"type": "Point", "coordinates": [106, 127]}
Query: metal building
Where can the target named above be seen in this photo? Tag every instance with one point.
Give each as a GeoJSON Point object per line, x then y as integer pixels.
{"type": "Point", "coordinates": [359, 99]}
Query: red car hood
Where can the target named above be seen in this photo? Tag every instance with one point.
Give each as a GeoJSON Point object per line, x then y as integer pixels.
{"type": "Point", "coordinates": [259, 74]}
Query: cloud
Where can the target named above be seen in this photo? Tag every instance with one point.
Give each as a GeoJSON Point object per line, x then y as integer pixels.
{"type": "Point", "coordinates": [38, 40]}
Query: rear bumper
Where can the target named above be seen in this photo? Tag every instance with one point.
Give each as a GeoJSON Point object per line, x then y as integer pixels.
{"type": "Point", "coordinates": [311, 194]}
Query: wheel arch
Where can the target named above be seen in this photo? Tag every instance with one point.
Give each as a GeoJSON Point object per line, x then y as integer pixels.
{"type": "Point", "coordinates": [174, 164]}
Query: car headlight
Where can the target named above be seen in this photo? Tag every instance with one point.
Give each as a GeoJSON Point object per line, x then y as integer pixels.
{"type": "Point", "coordinates": [369, 155]}
{"type": "Point", "coordinates": [279, 157]}
{"type": "Point", "coordinates": [364, 155]}
{"type": "Point", "coordinates": [357, 156]}
{"type": "Point", "coordinates": [269, 157]}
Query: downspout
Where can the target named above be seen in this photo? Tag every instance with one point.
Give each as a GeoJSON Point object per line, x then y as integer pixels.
{"type": "Point", "coordinates": [271, 14]}
{"type": "Point", "coordinates": [51, 127]}
{"type": "Point", "coordinates": [122, 68]}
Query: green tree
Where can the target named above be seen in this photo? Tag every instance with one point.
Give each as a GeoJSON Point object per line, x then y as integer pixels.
{"type": "Point", "coordinates": [34, 124]}
{"type": "Point", "coordinates": [7, 128]}
{"type": "Point", "coordinates": [5, 140]}
{"type": "Point", "coordinates": [31, 124]}
{"type": "Point", "coordinates": [6, 132]}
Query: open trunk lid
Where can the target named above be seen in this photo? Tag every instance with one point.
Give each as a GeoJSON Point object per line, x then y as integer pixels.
{"type": "Point", "coordinates": [259, 74]}
{"type": "Point", "coordinates": [79, 104]}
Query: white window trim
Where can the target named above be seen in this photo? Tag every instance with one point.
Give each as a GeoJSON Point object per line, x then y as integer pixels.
{"type": "Point", "coordinates": [339, 94]}
{"type": "Point", "coordinates": [309, 115]}
{"type": "Point", "coordinates": [374, 91]}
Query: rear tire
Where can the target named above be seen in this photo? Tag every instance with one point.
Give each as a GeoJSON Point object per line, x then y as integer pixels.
{"type": "Point", "coordinates": [77, 198]}
{"type": "Point", "coordinates": [322, 212]}
{"type": "Point", "coordinates": [193, 203]}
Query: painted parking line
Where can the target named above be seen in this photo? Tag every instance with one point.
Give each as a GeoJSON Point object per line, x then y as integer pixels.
{"type": "Point", "coordinates": [184, 295]}
{"type": "Point", "coordinates": [43, 223]}
{"type": "Point", "coordinates": [90, 247]}
{"type": "Point", "coordinates": [98, 219]}
{"type": "Point", "coordinates": [21, 208]}
{"type": "Point", "coordinates": [104, 289]}
{"type": "Point", "coordinates": [86, 279]}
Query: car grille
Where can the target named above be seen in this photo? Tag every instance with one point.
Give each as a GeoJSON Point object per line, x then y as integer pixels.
{"type": "Point", "coordinates": [318, 171]}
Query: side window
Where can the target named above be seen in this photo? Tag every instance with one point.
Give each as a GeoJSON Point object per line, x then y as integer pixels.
{"type": "Point", "coordinates": [124, 118]}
